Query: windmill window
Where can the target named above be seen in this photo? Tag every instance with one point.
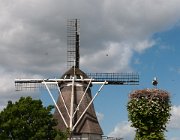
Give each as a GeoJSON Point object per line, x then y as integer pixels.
{"type": "Point", "coordinates": [77, 76]}
{"type": "Point", "coordinates": [81, 76]}
{"type": "Point", "coordinates": [67, 76]}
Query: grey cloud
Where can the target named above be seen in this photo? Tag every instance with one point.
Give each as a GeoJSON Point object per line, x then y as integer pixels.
{"type": "Point", "coordinates": [33, 33]}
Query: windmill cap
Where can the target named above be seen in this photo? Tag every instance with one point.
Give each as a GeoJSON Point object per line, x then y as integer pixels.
{"type": "Point", "coordinates": [73, 71]}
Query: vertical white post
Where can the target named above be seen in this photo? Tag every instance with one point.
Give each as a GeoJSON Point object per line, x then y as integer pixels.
{"type": "Point", "coordinates": [72, 105]}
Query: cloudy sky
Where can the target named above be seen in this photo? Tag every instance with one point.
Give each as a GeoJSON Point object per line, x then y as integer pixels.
{"type": "Point", "coordinates": [138, 36]}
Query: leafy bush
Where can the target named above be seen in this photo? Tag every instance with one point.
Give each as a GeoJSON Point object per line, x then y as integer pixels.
{"type": "Point", "coordinates": [149, 111]}
{"type": "Point", "coordinates": [27, 119]}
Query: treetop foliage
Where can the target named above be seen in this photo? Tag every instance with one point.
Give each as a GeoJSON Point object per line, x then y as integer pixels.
{"type": "Point", "coordinates": [149, 111]}
{"type": "Point", "coordinates": [27, 119]}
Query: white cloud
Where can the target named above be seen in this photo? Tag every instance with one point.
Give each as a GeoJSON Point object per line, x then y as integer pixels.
{"type": "Point", "coordinates": [7, 87]}
{"type": "Point", "coordinates": [100, 116]}
{"type": "Point", "coordinates": [33, 35]}
{"type": "Point", "coordinates": [175, 118]}
{"type": "Point", "coordinates": [143, 45]}
{"type": "Point", "coordinates": [115, 57]}
{"type": "Point", "coordinates": [123, 130]}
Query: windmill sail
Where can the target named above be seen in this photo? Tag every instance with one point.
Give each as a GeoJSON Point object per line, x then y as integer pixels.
{"type": "Point", "coordinates": [73, 42]}
{"type": "Point", "coordinates": [116, 78]}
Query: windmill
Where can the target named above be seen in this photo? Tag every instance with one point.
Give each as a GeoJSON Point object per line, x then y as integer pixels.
{"type": "Point", "coordinates": [74, 107]}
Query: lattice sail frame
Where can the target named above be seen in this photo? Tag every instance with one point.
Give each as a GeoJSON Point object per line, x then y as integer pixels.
{"type": "Point", "coordinates": [110, 78]}
{"type": "Point", "coordinates": [73, 42]}
{"type": "Point", "coordinates": [116, 78]}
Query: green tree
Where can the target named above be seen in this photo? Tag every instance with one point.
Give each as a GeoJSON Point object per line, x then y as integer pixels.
{"type": "Point", "coordinates": [27, 119]}
{"type": "Point", "coordinates": [62, 135]}
{"type": "Point", "coordinates": [149, 111]}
